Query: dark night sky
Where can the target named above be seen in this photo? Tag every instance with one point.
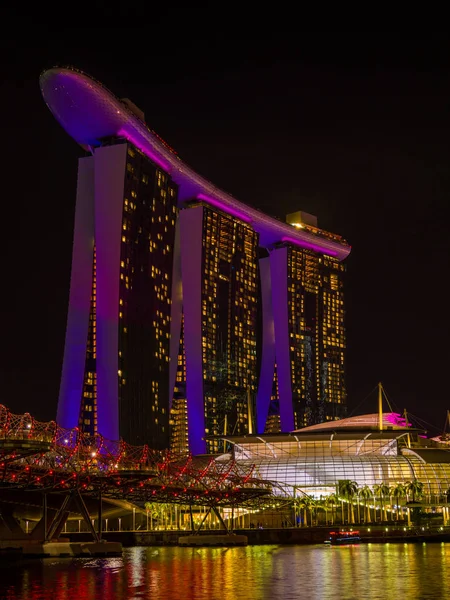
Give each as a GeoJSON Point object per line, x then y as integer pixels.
{"type": "Point", "coordinates": [352, 128]}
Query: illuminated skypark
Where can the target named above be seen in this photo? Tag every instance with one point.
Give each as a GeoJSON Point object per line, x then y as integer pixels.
{"type": "Point", "coordinates": [90, 113]}
{"type": "Point", "coordinates": [165, 290]}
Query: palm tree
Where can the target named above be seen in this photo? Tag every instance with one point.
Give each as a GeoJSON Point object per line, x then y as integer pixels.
{"type": "Point", "coordinates": [312, 506]}
{"type": "Point", "coordinates": [398, 491]}
{"type": "Point", "coordinates": [332, 500]}
{"type": "Point", "coordinates": [348, 489]}
{"type": "Point", "coordinates": [296, 506]}
{"type": "Point", "coordinates": [382, 490]}
{"type": "Point", "coordinates": [385, 491]}
{"type": "Point", "coordinates": [306, 503]}
{"type": "Point", "coordinates": [160, 511]}
{"type": "Point", "coordinates": [322, 503]}
{"type": "Point", "coordinates": [153, 510]}
{"type": "Point", "coordinates": [415, 487]}
{"type": "Point", "coordinates": [365, 493]}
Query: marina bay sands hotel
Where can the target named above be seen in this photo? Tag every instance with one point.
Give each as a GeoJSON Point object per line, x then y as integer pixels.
{"type": "Point", "coordinates": [192, 316]}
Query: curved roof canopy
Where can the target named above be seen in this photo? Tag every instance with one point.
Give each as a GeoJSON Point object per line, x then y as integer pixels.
{"type": "Point", "coordinates": [90, 113]}
{"type": "Point", "coordinates": [370, 421]}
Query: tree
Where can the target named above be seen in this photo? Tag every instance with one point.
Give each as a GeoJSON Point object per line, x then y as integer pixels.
{"type": "Point", "coordinates": [347, 489]}
{"type": "Point", "coordinates": [153, 511]}
{"type": "Point", "coordinates": [365, 493]}
{"type": "Point", "coordinates": [382, 491]}
{"type": "Point", "coordinates": [303, 507]}
{"type": "Point", "coordinates": [398, 491]}
{"type": "Point", "coordinates": [322, 503]}
{"type": "Point", "coordinates": [158, 511]}
{"type": "Point", "coordinates": [415, 488]}
{"type": "Point", "coordinates": [332, 500]}
{"type": "Point", "coordinates": [312, 507]}
{"type": "Point", "coordinates": [297, 504]}
{"type": "Point", "coordinates": [305, 504]}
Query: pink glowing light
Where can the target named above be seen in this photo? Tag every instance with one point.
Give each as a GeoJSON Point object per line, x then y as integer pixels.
{"type": "Point", "coordinates": [89, 112]}
{"type": "Point", "coordinates": [225, 207]}
{"type": "Point", "coordinates": [309, 245]}
{"type": "Point", "coordinates": [144, 148]}
{"type": "Point", "coordinates": [396, 419]}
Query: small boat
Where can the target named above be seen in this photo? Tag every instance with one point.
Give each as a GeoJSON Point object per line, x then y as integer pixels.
{"type": "Point", "coordinates": [341, 537]}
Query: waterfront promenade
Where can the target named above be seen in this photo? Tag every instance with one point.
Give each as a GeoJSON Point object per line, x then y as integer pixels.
{"type": "Point", "coordinates": [284, 535]}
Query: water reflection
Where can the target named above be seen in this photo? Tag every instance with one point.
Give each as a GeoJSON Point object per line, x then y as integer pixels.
{"type": "Point", "coordinates": [406, 571]}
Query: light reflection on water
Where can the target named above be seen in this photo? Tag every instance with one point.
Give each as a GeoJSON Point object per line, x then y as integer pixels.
{"type": "Point", "coordinates": [375, 571]}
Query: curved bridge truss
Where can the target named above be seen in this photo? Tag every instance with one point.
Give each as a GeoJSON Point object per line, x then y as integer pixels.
{"type": "Point", "coordinates": [43, 456]}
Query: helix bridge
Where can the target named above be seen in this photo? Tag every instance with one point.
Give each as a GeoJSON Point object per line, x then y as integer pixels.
{"type": "Point", "coordinates": [42, 456]}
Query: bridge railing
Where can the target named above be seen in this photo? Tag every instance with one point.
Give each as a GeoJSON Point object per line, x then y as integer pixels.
{"type": "Point", "coordinates": [25, 427]}
{"type": "Point", "coordinates": [73, 456]}
{"type": "Point", "coordinates": [72, 442]}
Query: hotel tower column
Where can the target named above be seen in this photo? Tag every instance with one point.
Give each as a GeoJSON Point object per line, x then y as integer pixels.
{"type": "Point", "coordinates": [268, 347]}
{"type": "Point", "coordinates": [279, 280]}
{"type": "Point", "coordinates": [110, 166]}
{"type": "Point", "coordinates": [176, 304]}
{"type": "Point", "coordinates": [191, 248]}
{"type": "Point", "coordinates": [79, 299]}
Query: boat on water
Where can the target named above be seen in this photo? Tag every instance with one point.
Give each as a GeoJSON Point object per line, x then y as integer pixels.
{"type": "Point", "coordinates": [341, 537]}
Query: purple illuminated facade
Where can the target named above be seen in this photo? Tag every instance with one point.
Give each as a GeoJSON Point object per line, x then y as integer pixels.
{"type": "Point", "coordinates": [168, 294]}
{"type": "Point", "coordinates": [303, 350]}
{"type": "Point", "coordinates": [216, 268]}
{"type": "Point", "coordinates": [115, 376]}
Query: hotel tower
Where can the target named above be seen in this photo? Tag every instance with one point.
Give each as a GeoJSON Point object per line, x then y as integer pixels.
{"type": "Point", "coordinates": [191, 314]}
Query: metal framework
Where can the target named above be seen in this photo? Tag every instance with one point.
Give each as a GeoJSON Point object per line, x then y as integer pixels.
{"type": "Point", "coordinates": [43, 456]}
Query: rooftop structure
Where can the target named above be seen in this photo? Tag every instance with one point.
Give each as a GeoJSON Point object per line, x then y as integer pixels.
{"type": "Point", "coordinates": [90, 113]}
{"type": "Point", "coordinates": [314, 460]}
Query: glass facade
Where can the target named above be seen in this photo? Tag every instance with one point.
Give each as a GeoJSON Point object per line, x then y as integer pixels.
{"type": "Point", "coordinates": [229, 317]}
{"type": "Point", "coordinates": [317, 336]}
{"type": "Point", "coordinates": [229, 302]}
{"type": "Point", "coordinates": [88, 408]}
{"type": "Point", "coordinates": [148, 232]}
{"type": "Point", "coordinates": [316, 466]}
{"type": "Point", "coordinates": [273, 419]}
{"type": "Point", "coordinates": [179, 438]}
{"type": "Point", "coordinates": [146, 257]}
{"type": "Point", "coordinates": [333, 393]}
